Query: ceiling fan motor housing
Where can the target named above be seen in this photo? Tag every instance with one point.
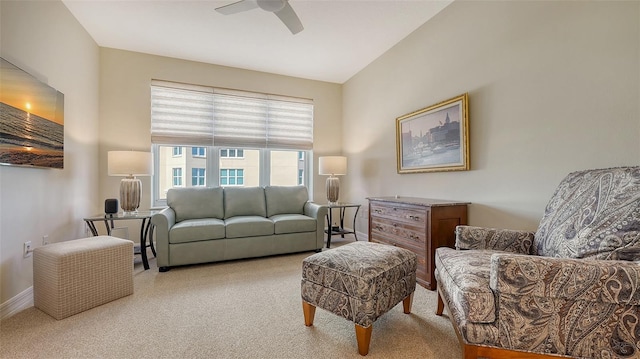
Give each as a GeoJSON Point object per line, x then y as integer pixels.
{"type": "Point", "coordinates": [271, 5]}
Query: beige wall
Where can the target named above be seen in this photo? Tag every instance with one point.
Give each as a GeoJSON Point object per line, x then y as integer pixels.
{"type": "Point", "coordinates": [125, 104]}
{"type": "Point", "coordinates": [553, 88]}
{"type": "Point", "coordinates": [44, 39]}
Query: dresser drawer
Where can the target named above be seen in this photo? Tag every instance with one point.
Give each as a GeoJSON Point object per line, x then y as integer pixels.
{"type": "Point", "coordinates": [406, 214]}
{"type": "Point", "coordinates": [413, 234]}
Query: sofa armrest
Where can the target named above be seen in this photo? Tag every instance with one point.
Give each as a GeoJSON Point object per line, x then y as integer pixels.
{"type": "Point", "coordinates": [508, 240]}
{"type": "Point", "coordinates": [606, 281]}
{"type": "Point", "coordinates": [163, 221]}
{"type": "Point", "coordinates": [319, 212]}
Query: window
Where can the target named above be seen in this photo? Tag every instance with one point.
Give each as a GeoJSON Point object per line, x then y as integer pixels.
{"type": "Point", "coordinates": [198, 151]}
{"type": "Point", "coordinates": [197, 177]}
{"type": "Point", "coordinates": [232, 152]}
{"type": "Point", "coordinates": [231, 177]}
{"type": "Point", "coordinates": [238, 138]}
{"type": "Point", "coordinates": [177, 177]}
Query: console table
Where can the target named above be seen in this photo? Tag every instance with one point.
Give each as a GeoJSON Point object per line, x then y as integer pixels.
{"type": "Point", "coordinates": [417, 224]}
{"type": "Point", "coordinates": [331, 230]}
{"type": "Point", "coordinates": [146, 229]}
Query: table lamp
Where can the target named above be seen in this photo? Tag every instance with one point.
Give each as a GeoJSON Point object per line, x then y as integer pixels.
{"type": "Point", "coordinates": [332, 166]}
{"type": "Point", "coordinates": [129, 164]}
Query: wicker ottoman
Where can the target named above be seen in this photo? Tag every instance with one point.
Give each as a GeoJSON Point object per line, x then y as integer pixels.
{"type": "Point", "coordinates": [360, 282]}
{"type": "Point", "coordinates": [73, 276]}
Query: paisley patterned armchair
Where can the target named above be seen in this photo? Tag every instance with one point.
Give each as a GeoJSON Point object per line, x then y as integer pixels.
{"type": "Point", "coordinates": [572, 288]}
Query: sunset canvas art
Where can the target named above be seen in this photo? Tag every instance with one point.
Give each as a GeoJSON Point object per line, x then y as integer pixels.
{"type": "Point", "coordinates": [31, 120]}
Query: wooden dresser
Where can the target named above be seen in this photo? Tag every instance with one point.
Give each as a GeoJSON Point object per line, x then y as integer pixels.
{"type": "Point", "coordinates": [418, 224]}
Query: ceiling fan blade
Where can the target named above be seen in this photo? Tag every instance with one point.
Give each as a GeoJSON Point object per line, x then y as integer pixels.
{"type": "Point", "coordinates": [236, 7]}
{"type": "Point", "coordinates": [289, 17]}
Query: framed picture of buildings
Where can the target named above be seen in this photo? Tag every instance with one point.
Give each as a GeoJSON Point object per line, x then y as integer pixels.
{"type": "Point", "coordinates": [435, 138]}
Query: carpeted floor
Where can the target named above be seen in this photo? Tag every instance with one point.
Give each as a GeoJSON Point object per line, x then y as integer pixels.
{"type": "Point", "coordinates": [238, 309]}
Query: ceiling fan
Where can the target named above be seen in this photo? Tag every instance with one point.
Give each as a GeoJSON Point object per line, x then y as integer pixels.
{"type": "Point", "coordinates": [281, 8]}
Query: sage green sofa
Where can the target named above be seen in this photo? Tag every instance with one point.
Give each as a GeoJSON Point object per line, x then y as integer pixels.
{"type": "Point", "coordinates": [210, 224]}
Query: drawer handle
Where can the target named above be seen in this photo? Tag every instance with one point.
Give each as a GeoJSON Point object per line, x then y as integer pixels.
{"type": "Point", "coordinates": [395, 225]}
{"type": "Point", "coordinates": [377, 210]}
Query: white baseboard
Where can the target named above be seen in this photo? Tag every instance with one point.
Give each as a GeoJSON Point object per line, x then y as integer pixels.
{"type": "Point", "coordinates": [16, 304]}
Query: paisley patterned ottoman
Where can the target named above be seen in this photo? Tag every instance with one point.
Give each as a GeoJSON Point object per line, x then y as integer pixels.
{"type": "Point", "coordinates": [360, 282]}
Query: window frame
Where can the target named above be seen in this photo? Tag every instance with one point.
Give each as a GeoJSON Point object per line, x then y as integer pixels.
{"type": "Point", "coordinates": [198, 154]}
{"type": "Point", "coordinates": [235, 177]}
{"type": "Point", "coordinates": [180, 176]}
{"type": "Point", "coordinates": [197, 176]}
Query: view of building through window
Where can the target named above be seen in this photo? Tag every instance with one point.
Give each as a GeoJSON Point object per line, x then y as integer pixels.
{"type": "Point", "coordinates": [183, 166]}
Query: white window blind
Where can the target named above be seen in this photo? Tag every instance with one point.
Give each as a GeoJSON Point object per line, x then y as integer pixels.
{"type": "Point", "coordinates": [181, 116]}
{"type": "Point", "coordinates": [195, 115]}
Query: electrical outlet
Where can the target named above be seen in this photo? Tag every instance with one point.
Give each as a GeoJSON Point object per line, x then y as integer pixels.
{"type": "Point", "coordinates": [27, 249]}
{"type": "Point", "coordinates": [45, 239]}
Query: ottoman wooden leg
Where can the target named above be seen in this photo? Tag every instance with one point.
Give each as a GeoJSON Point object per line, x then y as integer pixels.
{"type": "Point", "coordinates": [363, 336]}
{"type": "Point", "coordinates": [309, 313]}
{"type": "Point", "coordinates": [406, 303]}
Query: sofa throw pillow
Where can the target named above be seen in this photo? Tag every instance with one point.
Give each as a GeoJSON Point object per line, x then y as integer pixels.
{"type": "Point", "coordinates": [244, 201]}
{"type": "Point", "coordinates": [196, 202]}
{"type": "Point", "coordinates": [285, 199]}
{"type": "Point", "coordinates": [593, 214]}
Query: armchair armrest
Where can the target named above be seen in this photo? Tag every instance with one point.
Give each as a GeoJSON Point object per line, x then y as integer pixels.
{"type": "Point", "coordinates": [577, 307]}
{"type": "Point", "coordinates": [606, 281]}
{"type": "Point", "coordinates": [163, 221]}
{"type": "Point", "coordinates": [318, 212]}
{"type": "Point", "coordinates": [508, 240]}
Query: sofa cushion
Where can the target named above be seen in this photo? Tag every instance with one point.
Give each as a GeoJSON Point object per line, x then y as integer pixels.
{"type": "Point", "coordinates": [293, 223]}
{"type": "Point", "coordinates": [196, 202]}
{"type": "Point", "coordinates": [248, 226]}
{"type": "Point", "coordinates": [285, 199]}
{"type": "Point", "coordinates": [464, 275]}
{"type": "Point", "coordinates": [244, 201]}
{"type": "Point", "coordinates": [593, 214]}
{"type": "Point", "coordinates": [192, 230]}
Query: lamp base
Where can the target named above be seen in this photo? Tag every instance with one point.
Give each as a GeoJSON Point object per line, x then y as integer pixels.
{"type": "Point", "coordinates": [130, 189]}
{"type": "Point", "coordinates": [333, 189]}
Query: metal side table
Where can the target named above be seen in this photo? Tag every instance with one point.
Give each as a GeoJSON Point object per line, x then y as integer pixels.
{"type": "Point", "coordinates": [331, 230]}
{"type": "Point", "coordinates": [146, 229]}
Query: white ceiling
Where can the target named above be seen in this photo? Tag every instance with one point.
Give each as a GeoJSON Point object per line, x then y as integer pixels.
{"type": "Point", "coordinates": [340, 37]}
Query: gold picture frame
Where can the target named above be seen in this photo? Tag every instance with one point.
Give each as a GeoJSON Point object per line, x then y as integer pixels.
{"type": "Point", "coordinates": [435, 138]}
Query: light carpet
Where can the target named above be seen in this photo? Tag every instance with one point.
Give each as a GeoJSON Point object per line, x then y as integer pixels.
{"type": "Point", "coordinates": [237, 309]}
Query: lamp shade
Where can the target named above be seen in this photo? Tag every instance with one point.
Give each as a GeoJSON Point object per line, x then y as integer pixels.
{"type": "Point", "coordinates": [129, 163]}
{"type": "Point", "coordinates": [332, 165]}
